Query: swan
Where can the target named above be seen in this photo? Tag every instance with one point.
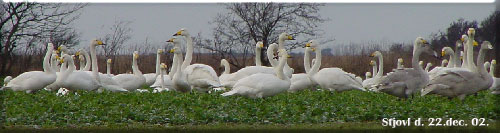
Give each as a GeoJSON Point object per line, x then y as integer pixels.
{"type": "Point", "coordinates": [162, 73]}
{"type": "Point", "coordinates": [378, 74]}
{"type": "Point", "coordinates": [200, 77]}
{"type": "Point", "coordinates": [226, 75]}
{"type": "Point", "coordinates": [404, 82]}
{"type": "Point", "coordinates": [151, 77]}
{"type": "Point", "coordinates": [54, 62]}
{"type": "Point", "coordinates": [333, 79]}
{"type": "Point", "coordinates": [281, 45]}
{"type": "Point", "coordinates": [250, 70]}
{"type": "Point", "coordinates": [400, 63]}
{"type": "Point", "coordinates": [258, 49]}
{"type": "Point", "coordinates": [263, 85]}
{"type": "Point", "coordinates": [134, 81]}
{"type": "Point", "coordinates": [495, 87]}
{"type": "Point", "coordinates": [168, 80]}
{"type": "Point", "coordinates": [108, 68]}
{"type": "Point", "coordinates": [460, 83]}
{"type": "Point", "coordinates": [468, 61]}
{"type": "Point", "coordinates": [81, 58]}
{"type": "Point", "coordinates": [301, 81]}
{"type": "Point", "coordinates": [87, 59]}
{"type": "Point", "coordinates": [34, 80]}
{"type": "Point", "coordinates": [179, 80]}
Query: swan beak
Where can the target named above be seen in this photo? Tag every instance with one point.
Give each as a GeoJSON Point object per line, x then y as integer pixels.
{"type": "Point", "coordinates": [99, 42]}
{"type": "Point", "coordinates": [443, 53]}
{"type": "Point", "coordinates": [261, 45]}
{"type": "Point", "coordinates": [290, 37]}
{"type": "Point", "coordinates": [308, 44]}
{"type": "Point", "coordinates": [171, 51]}
{"type": "Point", "coordinates": [425, 42]}
{"type": "Point", "coordinates": [170, 40]}
{"type": "Point", "coordinates": [313, 49]}
{"type": "Point", "coordinates": [289, 56]}
{"type": "Point", "coordinates": [136, 56]}
{"type": "Point", "coordinates": [62, 60]}
{"type": "Point", "coordinates": [77, 53]}
{"type": "Point", "coordinates": [494, 62]}
{"type": "Point", "coordinates": [372, 55]}
{"type": "Point", "coordinates": [59, 48]}
{"type": "Point", "coordinates": [462, 39]}
{"type": "Point", "coordinates": [371, 63]}
{"type": "Point", "coordinates": [57, 52]}
{"type": "Point", "coordinates": [178, 33]}
{"type": "Point", "coordinates": [475, 44]}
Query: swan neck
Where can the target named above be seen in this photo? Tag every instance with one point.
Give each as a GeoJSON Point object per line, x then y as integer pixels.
{"type": "Point", "coordinates": [317, 63]}
{"type": "Point", "coordinates": [82, 65]}
{"type": "Point", "coordinates": [258, 62]}
{"type": "Point", "coordinates": [270, 56]}
{"type": "Point", "coordinates": [480, 60]}
{"type": "Point", "coordinates": [157, 70]}
{"type": "Point", "coordinates": [46, 63]}
{"type": "Point", "coordinates": [470, 53]}
{"type": "Point", "coordinates": [108, 68]}
{"type": "Point", "coordinates": [95, 69]}
{"type": "Point", "coordinates": [465, 63]}
{"type": "Point", "coordinates": [227, 68]}
{"type": "Point", "coordinates": [281, 43]}
{"type": "Point", "coordinates": [451, 63]}
{"type": "Point", "coordinates": [307, 60]}
{"type": "Point", "coordinates": [162, 81]}
{"type": "Point", "coordinates": [87, 60]}
{"type": "Point", "coordinates": [189, 52]}
{"type": "Point", "coordinates": [380, 71]}
{"type": "Point", "coordinates": [279, 69]}
{"type": "Point", "coordinates": [375, 69]}
{"type": "Point", "coordinates": [173, 70]}
{"type": "Point", "coordinates": [492, 70]}
{"type": "Point", "coordinates": [416, 56]}
{"type": "Point", "coordinates": [135, 67]}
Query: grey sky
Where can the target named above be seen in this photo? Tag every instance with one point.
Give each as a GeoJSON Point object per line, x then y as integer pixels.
{"type": "Point", "coordinates": [357, 23]}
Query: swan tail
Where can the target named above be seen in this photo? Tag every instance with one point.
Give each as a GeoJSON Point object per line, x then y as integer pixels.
{"type": "Point", "coordinates": [114, 88]}
{"type": "Point", "coordinates": [229, 93]}
{"type": "Point", "coordinates": [429, 88]}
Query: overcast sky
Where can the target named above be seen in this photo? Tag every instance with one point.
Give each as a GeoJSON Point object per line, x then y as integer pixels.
{"type": "Point", "coordinates": [357, 23]}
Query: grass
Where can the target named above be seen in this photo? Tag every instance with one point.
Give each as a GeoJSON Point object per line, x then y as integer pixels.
{"type": "Point", "coordinates": [90, 109]}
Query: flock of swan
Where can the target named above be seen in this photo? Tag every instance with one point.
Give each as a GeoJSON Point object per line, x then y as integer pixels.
{"type": "Point", "coordinates": [453, 78]}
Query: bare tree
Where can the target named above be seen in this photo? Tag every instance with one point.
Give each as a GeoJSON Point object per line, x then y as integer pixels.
{"type": "Point", "coordinates": [235, 33]}
{"type": "Point", "coordinates": [453, 33]}
{"type": "Point", "coordinates": [119, 35]}
{"type": "Point", "coordinates": [28, 23]}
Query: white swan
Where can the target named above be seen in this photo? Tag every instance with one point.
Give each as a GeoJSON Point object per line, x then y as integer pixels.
{"type": "Point", "coordinates": [226, 74]}
{"type": "Point", "coordinates": [368, 75]}
{"type": "Point", "coordinates": [281, 45]}
{"type": "Point", "coordinates": [460, 83]}
{"type": "Point", "coordinates": [495, 86]}
{"type": "Point", "coordinates": [34, 80]}
{"type": "Point", "coordinates": [368, 83]}
{"type": "Point", "coordinates": [400, 63]}
{"type": "Point", "coordinates": [151, 77]}
{"type": "Point", "coordinates": [131, 82]}
{"type": "Point", "coordinates": [179, 80]}
{"type": "Point", "coordinates": [333, 79]}
{"type": "Point", "coordinates": [108, 68]}
{"type": "Point", "coordinates": [301, 81]}
{"type": "Point", "coordinates": [63, 50]}
{"type": "Point", "coordinates": [404, 82]}
{"type": "Point", "coordinates": [263, 85]}
{"type": "Point", "coordinates": [75, 80]}
{"type": "Point", "coordinates": [199, 76]}
{"type": "Point", "coordinates": [258, 49]}
{"type": "Point", "coordinates": [250, 70]}
{"type": "Point", "coordinates": [6, 80]}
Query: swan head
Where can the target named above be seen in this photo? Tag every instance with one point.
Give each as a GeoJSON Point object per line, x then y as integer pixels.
{"type": "Point", "coordinates": [376, 54]}
{"type": "Point", "coordinates": [486, 45]}
{"type": "Point", "coordinates": [464, 37]}
{"type": "Point", "coordinates": [109, 61]}
{"type": "Point", "coordinates": [313, 44]}
{"type": "Point", "coordinates": [259, 44]}
{"type": "Point", "coordinates": [493, 62]}
{"type": "Point", "coordinates": [487, 65]}
{"type": "Point", "coordinates": [182, 32]}
{"type": "Point", "coordinates": [163, 66]}
{"type": "Point", "coordinates": [175, 50]}
{"type": "Point", "coordinates": [421, 43]}
{"type": "Point", "coordinates": [400, 60]}
{"type": "Point", "coordinates": [222, 62]}
{"type": "Point", "coordinates": [373, 63]}
{"type": "Point", "coordinates": [136, 55]}
{"type": "Point", "coordinates": [159, 51]}
{"type": "Point", "coordinates": [421, 63]}
{"type": "Point", "coordinates": [62, 48]}
{"type": "Point", "coordinates": [66, 58]}
{"type": "Point", "coordinates": [429, 64]}
{"type": "Point", "coordinates": [97, 42]}
{"type": "Point", "coordinates": [286, 36]}
{"type": "Point", "coordinates": [368, 74]}
{"type": "Point", "coordinates": [446, 50]}
{"type": "Point", "coordinates": [174, 40]}
{"type": "Point", "coordinates": [471, 32]}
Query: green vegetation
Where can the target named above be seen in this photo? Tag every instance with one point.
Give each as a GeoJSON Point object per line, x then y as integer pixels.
{"type": "Point", "coordinates": [179, 109]}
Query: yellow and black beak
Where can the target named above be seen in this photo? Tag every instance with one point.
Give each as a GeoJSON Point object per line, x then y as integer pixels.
{"type": "Point", "coordinates": [171, 51]}
{"type": "Point", "coordinates": [308, 44]}
{"type": "Point", "coordinates": [372, 55]}
{"type": "Point", "coordinates": [425, 42]}
{"type": "Point", "coordinates": [261, 45]}
{"type": "Point", "coordinates": [475, 44]}
{"type": "Point", "coordinates": [290, 37]}
{"type": "Point", "coordinates": [289, 56]}
{"type": "Point", "coordinates": [170, 40]}
{"type": "Point", "coordinates": [62, 60]}
{"type": "Point", "coordinates": [99, 42]}
{"type": "Point", "coordinates": [178, 33]}
{"type": "Point", "coordinates": [462, 39]}
{"type": "Point", "coordinates": [443, 53]}
{"type": "Point", "coordinates": [77, 53]}
{"type": "Point", "coordinates": [313, 49]}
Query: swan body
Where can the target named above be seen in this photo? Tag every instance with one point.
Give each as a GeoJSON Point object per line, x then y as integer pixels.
{"type": "Point", "coordinates": [34, 80]}
{"type": "Point", "coordinates": [131, 82]}
{"type": "Point", "coordinates": [404, 82]}
{"type": "Point", "coordinates": [495, 86]}
{"type": "Point", "coordinates": [263, 85]}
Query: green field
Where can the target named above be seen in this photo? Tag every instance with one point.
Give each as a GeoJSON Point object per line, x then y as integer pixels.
{"type": "Point", "coordinates": [307, 109]}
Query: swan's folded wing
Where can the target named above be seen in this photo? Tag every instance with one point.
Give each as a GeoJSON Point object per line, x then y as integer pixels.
{"type": "Point", "coordinates": [196, 68]}
{"type": "Point", "coordinates": [451, 77]}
